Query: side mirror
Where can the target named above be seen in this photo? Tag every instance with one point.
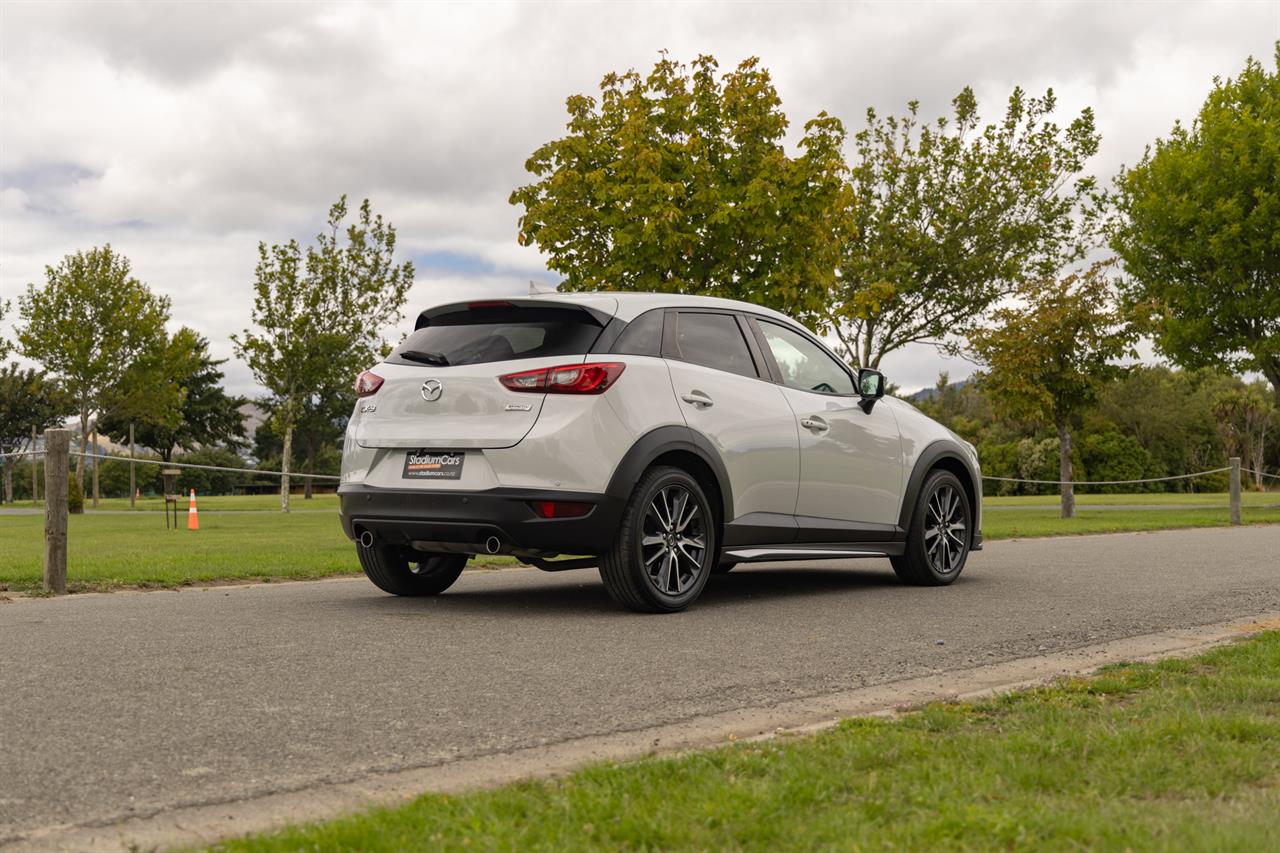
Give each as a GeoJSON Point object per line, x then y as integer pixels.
{"type": "Point", "coordinates": [871, 387]}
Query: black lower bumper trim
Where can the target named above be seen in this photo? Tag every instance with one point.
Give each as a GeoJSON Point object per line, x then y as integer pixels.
{"type": "Point", "coordinates": [401, 516]}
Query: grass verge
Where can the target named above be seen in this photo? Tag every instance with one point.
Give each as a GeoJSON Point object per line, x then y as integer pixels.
{"type": "Point", "coordinates": [107, 551]}
{"type": "Point", "coordinates": [1176, 755]}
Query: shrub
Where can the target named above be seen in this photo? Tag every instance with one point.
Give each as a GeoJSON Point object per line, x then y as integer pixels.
{"type": "Point", "coordinates": [75, 497]}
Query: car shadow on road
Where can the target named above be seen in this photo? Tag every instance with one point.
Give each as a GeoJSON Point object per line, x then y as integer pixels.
{"type": "Point", "coordinates": [528, 593]}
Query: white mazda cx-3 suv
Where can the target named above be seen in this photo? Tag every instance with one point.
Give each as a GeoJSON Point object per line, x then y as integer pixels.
{"type": "Point", "coordinates": [658, 437]}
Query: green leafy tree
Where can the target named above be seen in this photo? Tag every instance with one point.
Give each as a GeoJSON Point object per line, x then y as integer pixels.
{"type": "Point", "coordinates": [678, 182]}
{"type": "Point", "coordinates": [27, 399]}
{"type": "Point", "coordinates": [318, 315]}
{"type": "Point", "coordinates": [6, 345]}
{"type": "Point", "coordinates": [97, 328]}
{"type": "Point", "coordinates": [1245, 415]}
{"type": "Point", "coordinates": [1199, 230]}
{"type": "Point", "coordinates": [1049, 358]}
{"type": "Point", "coordinates": [201, 413]}
{"type": "Point", "coordinates": [949, 217]}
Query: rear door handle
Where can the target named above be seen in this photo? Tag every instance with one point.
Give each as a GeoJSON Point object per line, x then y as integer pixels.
{"type": "Point", "coordinates": [698, 399]}
{"type": "Point", "coordinates": [814, 423]}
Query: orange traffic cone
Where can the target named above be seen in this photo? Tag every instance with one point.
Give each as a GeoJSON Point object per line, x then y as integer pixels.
{"type": "Point", "coordinates": [193, 516]}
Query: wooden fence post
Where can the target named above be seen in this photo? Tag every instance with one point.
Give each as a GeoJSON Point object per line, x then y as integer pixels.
{"type": "Point", "coordinates": [1235, 490]}
{"type": "Point", "coordinates": [57, 443]}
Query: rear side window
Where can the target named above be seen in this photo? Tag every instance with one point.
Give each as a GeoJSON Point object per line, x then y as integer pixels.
{"type": "Point", "coordinates": [713, 340]}
{"type": "Point", "coordinates": [482, 335]}
{"type": "Point", "coordinates": [642, 336]}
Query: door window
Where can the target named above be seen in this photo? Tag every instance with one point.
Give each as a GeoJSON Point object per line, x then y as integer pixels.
{"type": "Point", "coordinates": [805, 366]}
{"type": "Point", "coordinates": [713, 340]}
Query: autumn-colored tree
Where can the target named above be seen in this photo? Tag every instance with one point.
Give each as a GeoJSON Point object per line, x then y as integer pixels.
{"type": "Point", "coordinates": [678, 181]}
{"type": "Point", "coordinates": [319, 315]}
{"type": "Point", "coordinates": [1051, 356]}
{"type": "Point", "coordinates": [1199, 230]}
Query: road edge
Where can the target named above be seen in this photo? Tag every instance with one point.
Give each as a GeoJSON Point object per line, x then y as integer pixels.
{"type": "Point", "coordinates": [206, 823]}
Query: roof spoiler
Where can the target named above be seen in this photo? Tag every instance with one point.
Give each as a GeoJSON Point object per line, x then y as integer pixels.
{"type": "Point", "coordinates": [600, 318]}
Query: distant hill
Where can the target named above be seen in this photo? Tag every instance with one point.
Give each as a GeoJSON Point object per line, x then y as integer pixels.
{"type": "Point", "coordinates": [931, 392]}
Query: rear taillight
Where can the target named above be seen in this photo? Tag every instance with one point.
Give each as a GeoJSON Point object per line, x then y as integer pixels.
{"type": "Point", "coordinates": [367, 383]}
{"type": "Point", "coordinates": [592, 378]}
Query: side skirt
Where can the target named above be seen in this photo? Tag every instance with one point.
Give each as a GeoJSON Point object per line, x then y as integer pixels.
{"type": "Point", "coordinates": [816, 551]}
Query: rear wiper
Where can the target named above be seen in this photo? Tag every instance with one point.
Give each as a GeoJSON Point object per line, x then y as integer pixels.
{"type": "Point", "coordinates": [436, 358]}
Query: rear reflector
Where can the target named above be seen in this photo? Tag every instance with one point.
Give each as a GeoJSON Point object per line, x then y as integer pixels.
{"type": "Point", "coordinates": [367, 383]}
{"type": "Point", "coordinates": [560, 509]}
{"type": "Point", "coordinates": [566, 379]}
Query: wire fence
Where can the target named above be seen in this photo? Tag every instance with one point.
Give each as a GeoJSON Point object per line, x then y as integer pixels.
{"type": "Point", "coordinates": [1110, 482]}
{"type": "Point", "coordinates": [300, 475]}
{"type": "Point", "coordinates": [143, 461]}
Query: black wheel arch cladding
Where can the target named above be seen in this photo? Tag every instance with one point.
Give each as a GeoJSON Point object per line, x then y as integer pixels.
{"type": "Point", "coordinates": [666, 440]}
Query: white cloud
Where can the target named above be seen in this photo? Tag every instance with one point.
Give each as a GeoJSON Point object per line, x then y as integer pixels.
{"type": "Point", "coordinates": [184, 133]}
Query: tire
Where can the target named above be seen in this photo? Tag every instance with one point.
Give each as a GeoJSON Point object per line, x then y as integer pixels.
{"type": "Point", "coordinates": [391, 570]}
{"type": "Point", "coordinates": [942, 515]}
{"type": "Point", "coordinates": [655, 566]}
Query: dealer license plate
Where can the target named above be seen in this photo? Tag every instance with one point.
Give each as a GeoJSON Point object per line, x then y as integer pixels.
{"type": "Point", "coordinates": [432, 465]}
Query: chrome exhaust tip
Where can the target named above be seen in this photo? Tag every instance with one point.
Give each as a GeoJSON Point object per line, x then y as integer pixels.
{"type": "Point", "coordinates": [493, 544]}
{"type": "Point", "coordinates": [366, 539]}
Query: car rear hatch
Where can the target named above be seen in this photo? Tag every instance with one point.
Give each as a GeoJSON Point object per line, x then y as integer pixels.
{"type": "Point", "coordinates": [441, 385]}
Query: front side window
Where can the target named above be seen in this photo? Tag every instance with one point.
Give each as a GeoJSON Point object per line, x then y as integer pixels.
{"type": "Point", "coordinates": [713, 340]}
{"type": "Point", "coordinates": [804, 365]}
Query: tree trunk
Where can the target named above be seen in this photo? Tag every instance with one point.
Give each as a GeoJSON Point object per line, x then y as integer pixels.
{"type": "Point", "coordinates": [284, 466]}
{"type": "Point", "coordinates": [8, 478]}
{"type": "Point", "coordinates": [133, 476]}
{"type": "Point", "coordinates": [311, 467]}
{"type": "Point", "coordinates": [84, 438]}
{"type": "Point", "coordinates": [1067, 490]}
{"type": "Point", "coordinates": [96, 466]}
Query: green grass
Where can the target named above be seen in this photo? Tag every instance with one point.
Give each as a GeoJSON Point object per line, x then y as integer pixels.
{"type": "Point", "coordinates": [1180, 755]}
{"type": "Point", "coordinates": [107, 550]}
{"type": "Point", "coordinates": [1028, 522]}
{"type": "Point", "coordinates": [211, 503]}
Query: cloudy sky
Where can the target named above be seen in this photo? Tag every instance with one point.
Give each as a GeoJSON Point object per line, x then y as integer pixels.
{"type": "Point", "coordinates": [185, 133]}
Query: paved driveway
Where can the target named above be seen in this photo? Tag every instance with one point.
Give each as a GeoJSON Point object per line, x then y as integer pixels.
{"type": "Point", "coordinates": [135, 703]}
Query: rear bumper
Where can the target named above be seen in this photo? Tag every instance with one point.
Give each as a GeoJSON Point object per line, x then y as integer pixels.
{"type": "Point", "coordinates": [401, 516]}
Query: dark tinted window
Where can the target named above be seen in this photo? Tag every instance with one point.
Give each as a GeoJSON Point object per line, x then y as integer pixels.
{"type": "Point", "coordinates": [484, 335]}
{"type": "Point", "coordinates": [642, 336]}
{"type": "Point", "coordinates": [714, 340]}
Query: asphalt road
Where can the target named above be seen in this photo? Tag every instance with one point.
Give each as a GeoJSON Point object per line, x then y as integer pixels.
{"type": "Point", "coordinates": [133, 703]}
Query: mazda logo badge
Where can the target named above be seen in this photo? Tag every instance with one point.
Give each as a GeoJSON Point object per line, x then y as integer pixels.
{"type": "Point", "coordinates": [432, 389]}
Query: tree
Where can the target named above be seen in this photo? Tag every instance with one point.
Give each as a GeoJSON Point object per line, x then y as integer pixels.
{"type": "Point", "coordinates": [679, 182]}
{"type": "Point", "coordinates": [1051, 356]}
{"type": "Point", "coordinates": [6, 346]}
{"type": "Point", "coordinates": [202, 414]}
{"type": "Point", "coordinates": [27, 399]}
{"type": "Point", "coordinates": [1199, 230]}
{"type": "Point", "coordinates": [319, 315]}
{"type": "Point", "coordinates": [947, 219]}
{"type": "Point", "coordinates": [1244, 417]}
{"type": "Point", "coordinates": [95, 326]}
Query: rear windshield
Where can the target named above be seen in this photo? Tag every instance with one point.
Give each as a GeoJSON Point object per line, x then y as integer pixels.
{"type": "Point", "coordinates": [482, 335]}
